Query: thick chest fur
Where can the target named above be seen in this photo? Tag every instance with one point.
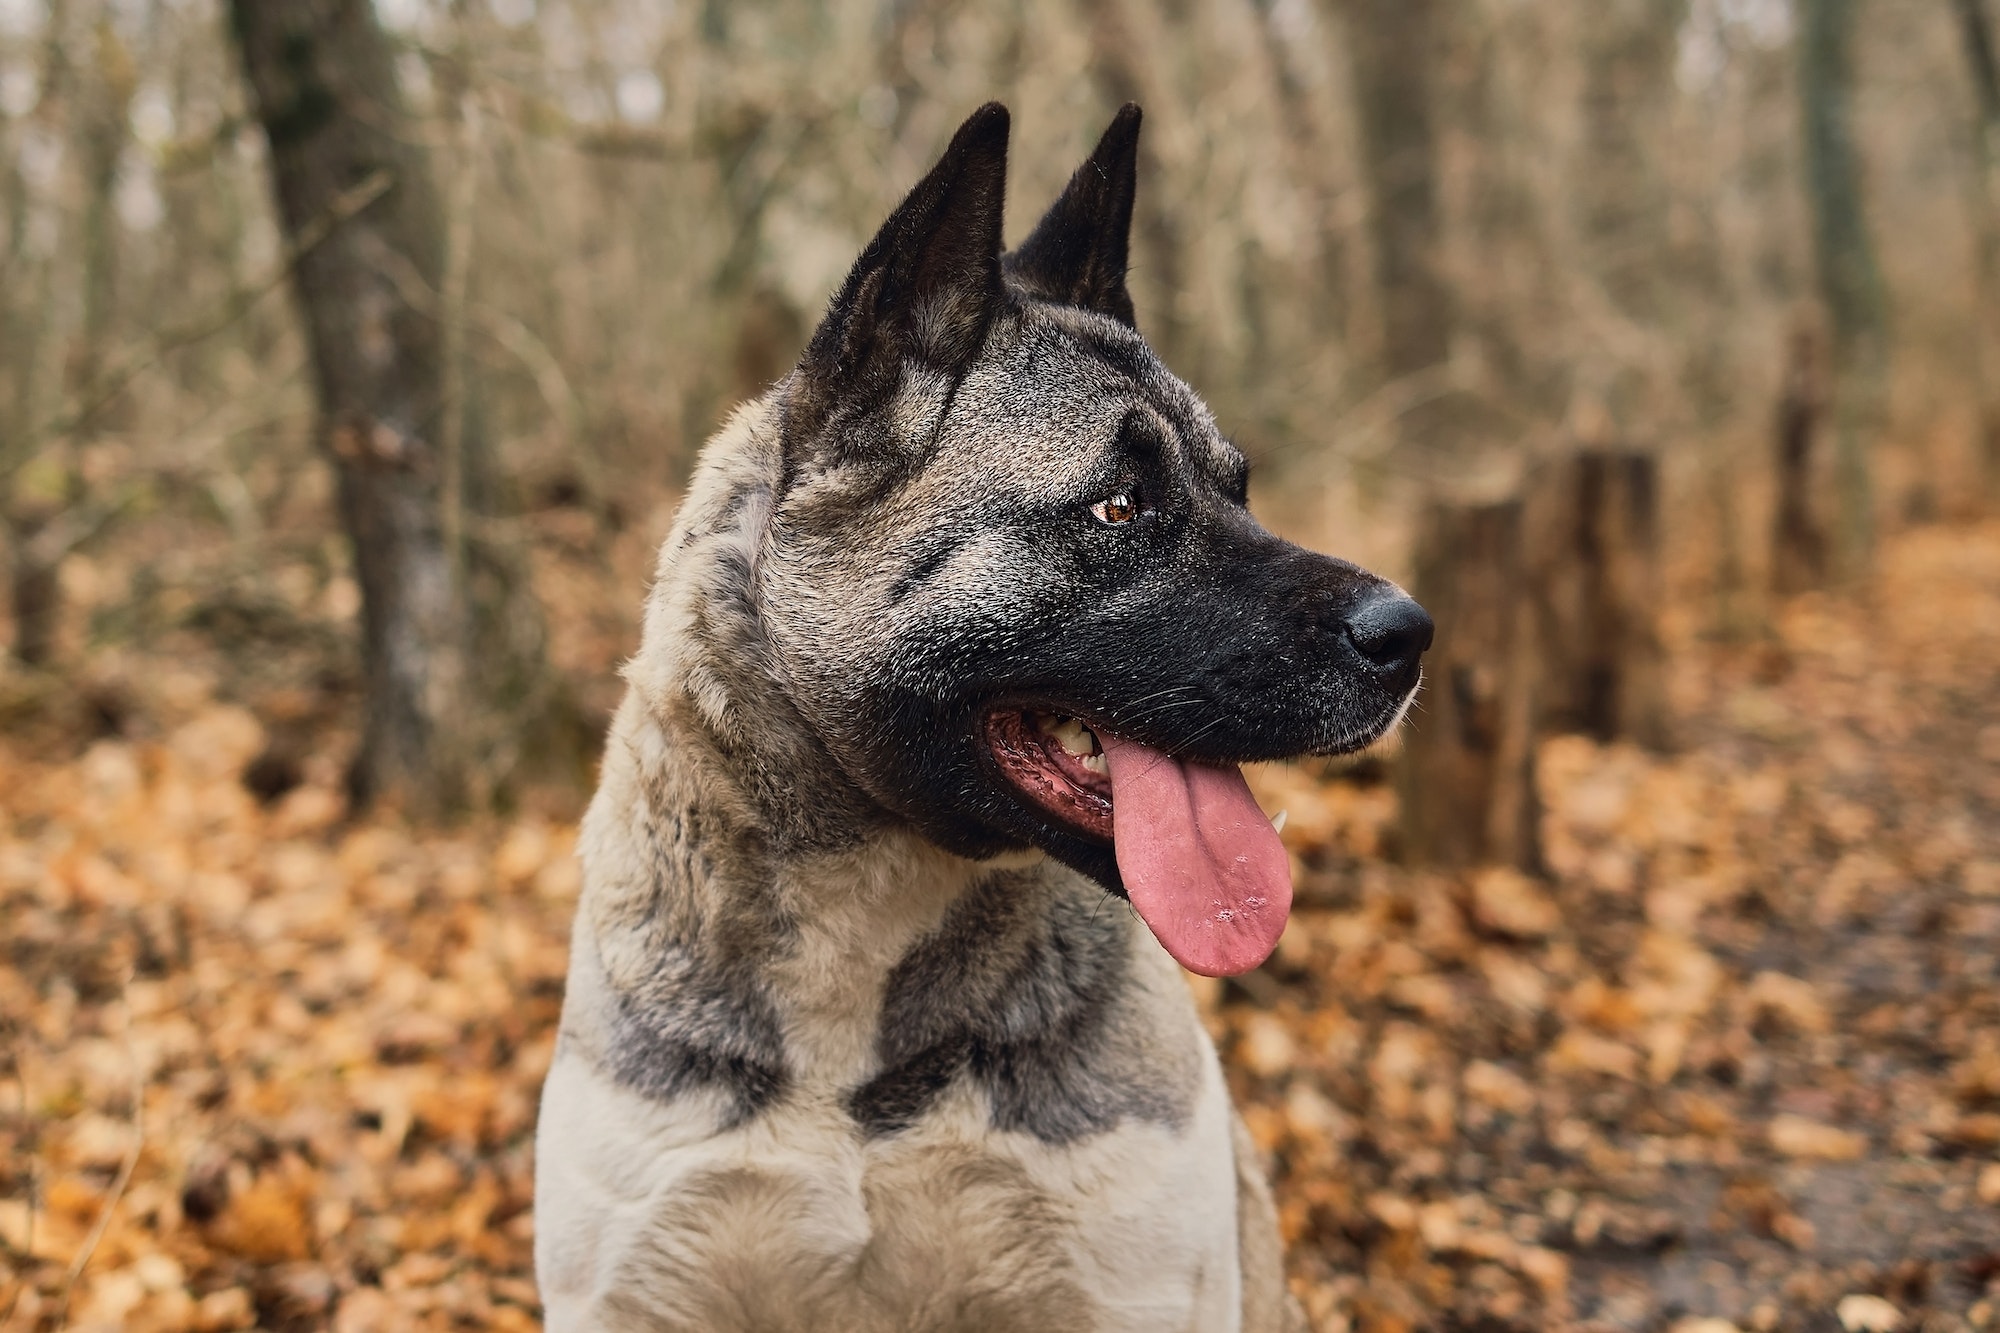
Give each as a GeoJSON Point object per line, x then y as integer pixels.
{"type": "Point", "coordinates": [802, 1222]}
{"type": "Point", "coordinates": [951, 1097]}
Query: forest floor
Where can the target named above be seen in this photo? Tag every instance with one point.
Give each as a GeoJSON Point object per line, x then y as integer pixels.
{"type": "Point", "coordinates": [1733, 1061]}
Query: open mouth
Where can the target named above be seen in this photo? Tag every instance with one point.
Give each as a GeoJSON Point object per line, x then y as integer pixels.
{"type": "Point", "coordinates": [1200, 862]}
{"type": "Point", "coordinates": [1058, 763]}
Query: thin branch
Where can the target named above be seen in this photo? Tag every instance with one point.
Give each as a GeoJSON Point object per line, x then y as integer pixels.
{"type": "Point", "coordinates": [77, 525]}
{"type": "Point", "coordinates": [1364, 432]}
{"type": "Point", "coordinates": [150, 351]}
{"type": "Point", "coordinates": [521, 342]}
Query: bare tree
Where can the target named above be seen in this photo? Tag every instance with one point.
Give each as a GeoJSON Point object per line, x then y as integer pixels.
{"type": "Point", "coordinates": [1393, 46]}
{"type": "Point", "coordinates": [1620, 192]}
{"type": "Point", "coordinates": [1628, 60]}
{"type": "Point", "coordinates": [1850, 284]}
{"type": "Point", "coordinates": [1160, 248]}
{"type": "Point", "coordinates": [39, 481]}
{"type": "Point", "coordinates": [1976, 36]}
{"type": "Point", "coordinates": [91, 98]}
{"type": "Point", "coordinates": [452, 646]}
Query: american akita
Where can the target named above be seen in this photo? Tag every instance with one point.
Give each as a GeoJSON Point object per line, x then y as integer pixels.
{"type": "Point", "coordinates": [962, 629]}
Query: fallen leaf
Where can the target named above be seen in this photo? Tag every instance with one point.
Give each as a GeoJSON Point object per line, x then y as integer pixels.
{"type": "Point", "coordinates": [1796, 1136]}
{"type": "Point", "coordinates": [1509, 903]}
{"type": "Point", "coordinates": [1861, 1313]}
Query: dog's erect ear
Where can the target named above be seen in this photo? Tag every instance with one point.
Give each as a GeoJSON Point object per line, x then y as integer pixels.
{"type": "Point", "coordinates": [1076, 253]}
{"type": "Point", "coordinates": [928, 286]}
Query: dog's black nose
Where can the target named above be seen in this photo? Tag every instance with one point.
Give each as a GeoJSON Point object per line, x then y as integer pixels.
{"type": "Point", "coordinates": [1390, 630]}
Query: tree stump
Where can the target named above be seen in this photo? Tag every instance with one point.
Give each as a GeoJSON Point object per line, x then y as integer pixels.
{"type": "Point", "coordinates": [1547, 609]}
{"type": "Point", "coordinates": [1592, 533]}
{"type": "Point", "coordinates": [1466, 771]}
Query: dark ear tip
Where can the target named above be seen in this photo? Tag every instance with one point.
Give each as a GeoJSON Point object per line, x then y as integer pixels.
{"type": "Point", "coordinates": [985, 128]}
{"type": "Point", "coordinates": [1122, 136]}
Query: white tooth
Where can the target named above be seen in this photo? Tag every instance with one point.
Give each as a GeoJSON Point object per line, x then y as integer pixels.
{"type": "Point", "coordinates": [1278, 821]}
{"type": "Point", "coordinates": [1074, 737]}
{"type": "Point", "coordinates": [1097, 763]}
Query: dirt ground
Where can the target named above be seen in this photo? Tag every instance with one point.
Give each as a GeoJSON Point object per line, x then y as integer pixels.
{"type": "Point", "coordinates": [1734, 1061]}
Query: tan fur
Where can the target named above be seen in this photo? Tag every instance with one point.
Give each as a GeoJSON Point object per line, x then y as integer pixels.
{"type": "Point", "coordinates": [1267, 1306]}
{"type": "Point", "coordinates": [963, 1242]}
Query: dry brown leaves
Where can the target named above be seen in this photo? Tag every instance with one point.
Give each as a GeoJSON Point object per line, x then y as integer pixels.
{"type": "Point", "coordinates": [1732, 1063]}
{"type": "Point", "coordinates": [335, 1036]}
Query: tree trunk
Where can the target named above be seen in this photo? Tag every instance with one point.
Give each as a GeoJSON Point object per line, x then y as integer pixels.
{"type": "Point", "coordinates": [1592, 528]}
{"type": "Point", "coordinates": [1850, 284]}
{"type": "Point", "coordinates": [1466, 771]}
{"type": "Point", "coordinates": [1621, 198]}
{"type": "Point", "coordinates": [1393, 47]}
{"type": "Point", "coordinates": [102, 130]}
{"type": "Point", "coordinates": [452, 653]}
{"type": "Point", "coordinates": [1798, 550]}
{"type": "Point", "coordinates": [101, 91]}
{"type": "Point", "coordinates": [36, 599]}
{"type": "Point", "coordinates": [1159, 264]}
{"type": "Point", "coordinates": [1976, 33]}
{"type": "Point", "coordinates": [1621, 193]}
{"type": "Point", "coordinates": [1307, 154]}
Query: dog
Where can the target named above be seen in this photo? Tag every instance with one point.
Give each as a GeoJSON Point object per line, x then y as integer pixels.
{"type": "Point", "coordinates": [957, 640]}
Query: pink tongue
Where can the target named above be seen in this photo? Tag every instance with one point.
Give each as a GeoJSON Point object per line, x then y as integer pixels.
{"type": "Point", "coordinates": [1201, 863]}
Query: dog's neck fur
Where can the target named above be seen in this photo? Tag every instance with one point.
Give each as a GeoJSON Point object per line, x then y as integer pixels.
{"type": "Point", "coordinates": [752, 855]}
{"type": "Point", "coordinates": [706, 662]}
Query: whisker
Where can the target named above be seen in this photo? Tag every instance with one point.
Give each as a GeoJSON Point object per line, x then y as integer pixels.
{"type": "Point", "coordinates": [1126, 710]}
{"type": "Point", "coordinates": [1213, 723]}
{"type": "Point", "coordinates": [1159, 708]}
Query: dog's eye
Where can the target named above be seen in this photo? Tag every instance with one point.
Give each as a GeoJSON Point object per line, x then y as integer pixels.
{"type": "Point", "coordinates": [1116, 509]}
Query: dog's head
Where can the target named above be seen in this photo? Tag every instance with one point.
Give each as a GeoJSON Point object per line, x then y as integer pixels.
{"type": "Point", "coordinates": [1011, 580]}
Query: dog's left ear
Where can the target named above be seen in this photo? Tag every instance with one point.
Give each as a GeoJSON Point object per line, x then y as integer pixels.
{"type": "Point", "coordinates": [927, 287]}
{"type": "Point", "coordinates": [1076, 254]}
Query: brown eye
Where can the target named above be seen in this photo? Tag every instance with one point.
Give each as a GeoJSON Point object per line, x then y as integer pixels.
{"type": "Point", "coordinates": [1120, 508]}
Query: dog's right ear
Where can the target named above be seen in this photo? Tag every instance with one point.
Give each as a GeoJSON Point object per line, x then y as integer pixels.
{"type": "Point", "coordinates": [927, 287]}
{"type": "Point", "coordinates": [1076, 254]}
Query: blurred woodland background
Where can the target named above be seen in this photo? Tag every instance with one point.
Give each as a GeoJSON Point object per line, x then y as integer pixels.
{"type": "Point", "coordinates": [351, 360]}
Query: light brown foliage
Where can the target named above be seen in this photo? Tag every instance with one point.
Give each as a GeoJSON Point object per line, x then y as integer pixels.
{"type": "Point", "coordinates": [1740, 1050]}
{"type": "Point", "coordinates": [339, 1034]}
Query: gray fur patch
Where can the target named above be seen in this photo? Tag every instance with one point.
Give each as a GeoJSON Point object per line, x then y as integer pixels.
{"type": "Point", "coordinates": [1026, 988]}
{"type": "Point", "coordinates": [696, 1028]}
